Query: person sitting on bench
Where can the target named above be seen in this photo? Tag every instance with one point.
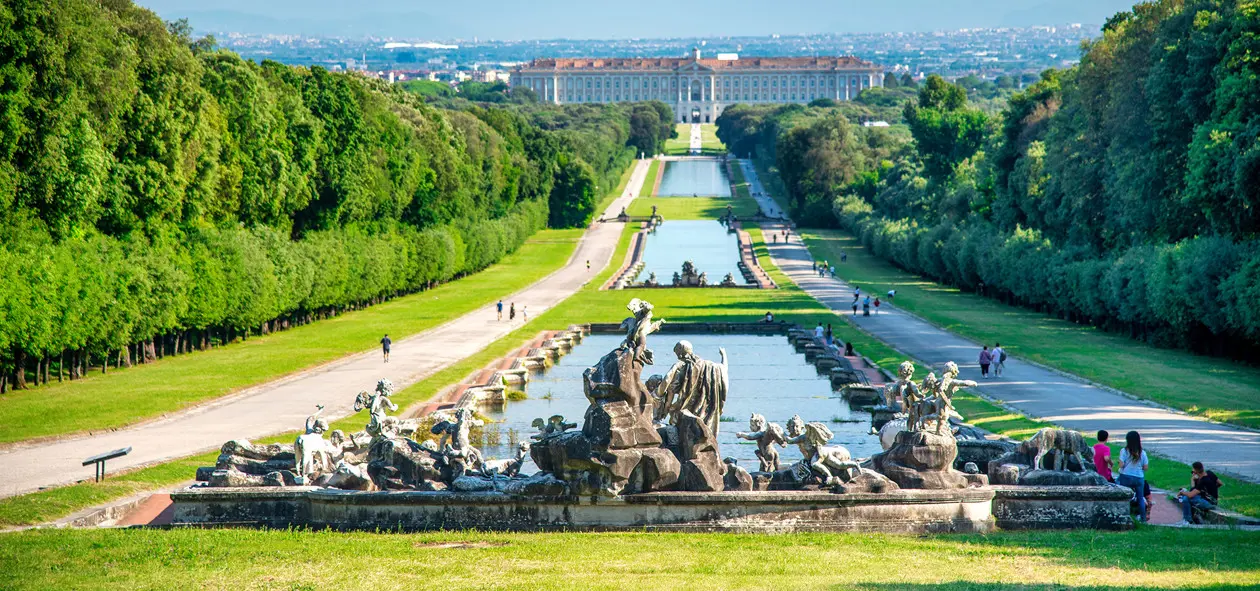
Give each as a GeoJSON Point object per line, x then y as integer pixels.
{"type": "Point", "coordinates": [1204, 486]}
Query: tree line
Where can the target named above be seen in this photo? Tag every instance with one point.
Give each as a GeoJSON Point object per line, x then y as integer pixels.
{"type": "Point", "coordinates": [1123, 192]}
{"type": "Point", "coordinates": [159, 194]}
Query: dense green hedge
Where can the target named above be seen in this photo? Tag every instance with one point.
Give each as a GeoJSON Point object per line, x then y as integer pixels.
{"type": "Point", "coordinates": [157, 193]}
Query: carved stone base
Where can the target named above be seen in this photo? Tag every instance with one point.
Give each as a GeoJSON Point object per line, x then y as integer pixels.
{"type": "Point", "coordinates": [921, 459]}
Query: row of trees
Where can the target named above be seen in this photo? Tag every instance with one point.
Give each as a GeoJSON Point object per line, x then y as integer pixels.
{"type": "Point", "coordinates": [1121, 192]}
{"type": "Point", "coordinates": [158, 194]}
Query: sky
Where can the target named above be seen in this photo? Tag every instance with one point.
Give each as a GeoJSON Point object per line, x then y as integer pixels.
{"type": "Point", "coordinates": [601, 19]}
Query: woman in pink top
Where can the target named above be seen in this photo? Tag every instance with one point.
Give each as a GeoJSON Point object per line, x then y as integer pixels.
{"type": "Point", "coordinates": [986, 358]}
{"type": "Point", "coordinates": [1102, 457]}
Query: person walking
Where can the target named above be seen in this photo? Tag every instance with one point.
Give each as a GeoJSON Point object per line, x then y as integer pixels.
{"type": "Point", "coordinates": [827, 335]}
{"type": "Point", "coordinates": [844, 257]}
{"type": "Point", "coordinates": [892, 293]}
{"type": "Point", "coordinates": [819, 332]}
{"type": "Point", "coordinates": [857, 292]}
{"type": "Point", "coordinates": [999, 359]}
{"type": "Point", "coordinates": [866, 306]}
{"type": "Point", "coordinates": [512, 312]}
{"type": "Point", "coordinates": [1133, 465]}
{"type": "Point", "coordinates": [385, 343]}
{"type": "Point", "coordinates": [588, 264]}
{"type": "Point", "coordinates": [524, 313]}
{"type": "Point", "coordinates": [877, 306]}
{"type": "Point", "coordinates": [855, 305]}
{"type": "Point", "coordinates": [986, 358]}
{"type": "Point", "coordinates": [813, 266]}
{"type": "Point", "coordinates": [500, 307]}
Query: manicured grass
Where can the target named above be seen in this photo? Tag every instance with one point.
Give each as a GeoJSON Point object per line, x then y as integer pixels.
{"type": "Point", "coordinates": [649, 182]}
{"type": "Point", "coordinates": [709, 142]}
{"type": "Point", "coordinates": [1215, 388]}
{"type": "Point", "coordinates": [693, 208]}
{"type": "Point", "coordinates": [1150, 558]}
{"type": "Point", "coordinates": [117, 399]}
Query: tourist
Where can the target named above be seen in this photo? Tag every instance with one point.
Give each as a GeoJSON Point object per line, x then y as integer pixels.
{"type": "Point", "coordinates": [813, 266]}
{"type": "Point", "coordinates": [1204, 486]}
{"type": "Point", "coordinates": [999, 359]}
{"type": "Point", "coordinates": [1133, 464]}
{"type": "Point", "coordinates": [848, 350]}
{"type": "Point", "coordinates": [524, 313]}
{"type": "Point", "coordinates": [866, 306]}
{"type": "Point", "coordinates": [774, 238]}
{"type": "Point", "coordinates": [827, 335]}
{"type": "Point", "coordinates": [857, 292]}
{"type": "Point", "coordinates": [588, 264]}
{"type": "Point", "coordinates": [877, 306]}
{"type": "Point", "coordinates": [986, 358]}
{"type": "Point", "coordinates": [1102, 456]}
{"type": "Point", "coordinates": [892, 293]}
{"type": "Point", "coordinates": [512, 312]}
{"type": "Point", "coordinates": [500, 307]}
{"type": "Point", "coordinates": [833, 272]}
{"type": "Point", "coordinates": [855, 305]}
{"type": "Point", "coordinates": [385, 343]}
{"type": "Point", "coordinates": [769, 317]}
{"type": "Point", "coordinates": [818, 331]}
{"type": "Point", "coordinates": [844, 257]}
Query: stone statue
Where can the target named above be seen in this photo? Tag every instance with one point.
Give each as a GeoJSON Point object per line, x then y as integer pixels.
{"type": "Point", "coordinates": [690, 276]}
{"type": "Point", "coordinates": [314, 454]}
{"type": "Point", "coordinates": [703, 280]}
{"type": "Point", "coordinates": [651, 280]}
{"type": "Point", "coordinates": [507, 467]}
{"type": "Point", "coordinates": [550, 427]}
{"type": "Point", "coordinates": [455, 442]}
{"type": "Point", "coordinates": [729, 281]}
{"type": "Point", "coordinates": [1063, 441]}
{"type": "Point", "coordinates": [833, 464]}
{"type": "Point", "coordinates": [903, 393]}
{"type": "Point", "coordinates": [377, 405]}
{"type": "Point", "coordinates": [767, 435]}
{"type": "Point", "coordinates": [695, 385]}
{"type": "Point", "coordinates": [942, 404]}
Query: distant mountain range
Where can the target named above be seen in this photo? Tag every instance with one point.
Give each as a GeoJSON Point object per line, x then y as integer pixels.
{"type": "Point", "coordinates": [553, 19]}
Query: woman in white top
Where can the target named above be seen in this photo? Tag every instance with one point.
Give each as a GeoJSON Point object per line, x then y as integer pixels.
{"type": "Point", "coordinates": [1133, 464]}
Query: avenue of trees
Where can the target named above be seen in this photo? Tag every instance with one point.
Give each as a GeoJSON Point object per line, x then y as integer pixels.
{"type": "Point", "coordinates": [1123, 192]}
{"type": "Point", "coordinates": [158, 194]}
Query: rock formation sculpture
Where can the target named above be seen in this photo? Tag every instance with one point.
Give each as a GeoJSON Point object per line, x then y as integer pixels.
{"type": "Point", "coordinates": [767, 435]}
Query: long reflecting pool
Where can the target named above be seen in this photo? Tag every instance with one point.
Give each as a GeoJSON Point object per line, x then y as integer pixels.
{"type": "Point", "coordinates": [767, 376]}
{"type": "Point", "coordinates": [706, 243]}
{"type": "Point", "coordinates": [690, 178]}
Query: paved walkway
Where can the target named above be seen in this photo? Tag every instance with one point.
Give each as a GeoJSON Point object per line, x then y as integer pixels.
{"type": "Point", "coordinates": [1032, 390]}
{"type": "Point", "coordinates": [283, 405]}
{"type": "Point", "coordinates": [697, 141]}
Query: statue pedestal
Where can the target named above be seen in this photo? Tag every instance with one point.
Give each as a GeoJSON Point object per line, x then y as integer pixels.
{"type": "Point", "coordinates": [921, 459]}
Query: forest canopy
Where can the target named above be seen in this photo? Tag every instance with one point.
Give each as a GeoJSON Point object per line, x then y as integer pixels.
{"type": "Point", "coordinates": [158, 192]}
{"type": "Point", "coordinates": [1123, 192]}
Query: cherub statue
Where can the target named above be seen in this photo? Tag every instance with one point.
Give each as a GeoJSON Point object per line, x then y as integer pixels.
{"type": "Point", "coordinates": [314, 454]}
{"type": "Point", "coordinates": [641, 324]}
{"type": "Point", "coordinates": [456, 442]}
{"type": "Point", "coordinates": [552, 426]}
{"type": "Point", "coordinates": [377, 404]}
{"type": "Point", "coordinates": [767, 435]}
{"type": "Point", "coordinates": [903, 392]}
{"type": "Point", "coordinates": [943, 403]}
{"type": "Point", "coordinates": [830, 462]}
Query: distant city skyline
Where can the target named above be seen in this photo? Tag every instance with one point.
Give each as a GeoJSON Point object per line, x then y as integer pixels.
{"type": "Point", "coordinates": [560, 19]}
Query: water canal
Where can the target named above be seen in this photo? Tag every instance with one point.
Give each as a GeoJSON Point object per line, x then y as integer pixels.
{"type": "Point", "coordinates": [700, 177]}
{"type": "Point", "coordinates": [767, 376]}
{"type": "Point", "coordinates": [705, 243]}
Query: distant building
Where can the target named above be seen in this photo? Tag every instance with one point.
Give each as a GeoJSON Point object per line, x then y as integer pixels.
{"type": "Point", "coordinates": [875, 124]}
{"type": "Point", "coordinates": [697, 89]}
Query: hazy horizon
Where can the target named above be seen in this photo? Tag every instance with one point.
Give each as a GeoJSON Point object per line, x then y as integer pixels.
{"type": "Point", "coordinates": [568, 19]}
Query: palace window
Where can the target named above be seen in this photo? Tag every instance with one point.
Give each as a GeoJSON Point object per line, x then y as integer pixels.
{"type": "Point", "coordinates": [654, 83]}
{"type": "Point", "coordinates": [754, 84]}
{"type": "Point", "coordinates": [726, 96]}
{"type": "Point", "coordinates": [774, 83]}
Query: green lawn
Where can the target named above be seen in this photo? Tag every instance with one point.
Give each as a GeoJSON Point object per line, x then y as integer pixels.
{"type": "Point", "coordinates": [709, 142]}
{"type": "Point", "coordinates": [1150, 558]}
{"type": "Point", "coordinates": [116, 399]}
{"type": "Point", "coordinates": [693, 208]}
{"type": "Point", "coordinates": [649, 182]}
{"type": "Point", "coordinates": [1218, 389]}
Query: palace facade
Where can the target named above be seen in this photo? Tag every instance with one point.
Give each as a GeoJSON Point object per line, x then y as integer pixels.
{"type": "Point", "coordinates": [698, 89]}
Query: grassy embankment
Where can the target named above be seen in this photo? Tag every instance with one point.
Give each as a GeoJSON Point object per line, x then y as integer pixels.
{"type": "Point", "coordinates": [297, 559]}
{"type": "Point", "coordinates": [612, 195]}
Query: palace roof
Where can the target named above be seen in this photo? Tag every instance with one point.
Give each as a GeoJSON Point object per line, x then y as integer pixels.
{"type": "Point", "coordinates": [673, 63]}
